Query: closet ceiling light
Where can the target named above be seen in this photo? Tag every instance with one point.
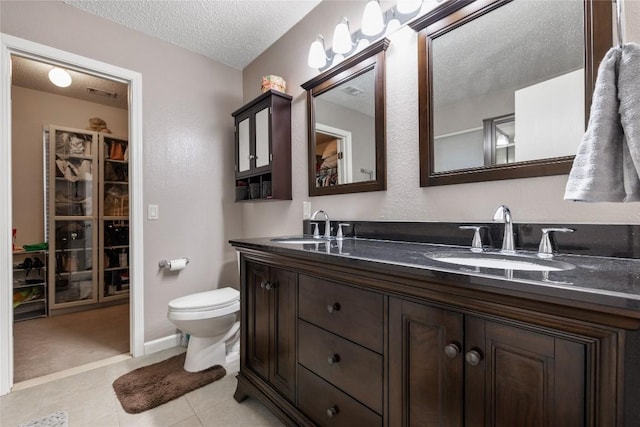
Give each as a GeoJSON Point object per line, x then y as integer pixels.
{"type": "Point", "coordinates": [59, 77]}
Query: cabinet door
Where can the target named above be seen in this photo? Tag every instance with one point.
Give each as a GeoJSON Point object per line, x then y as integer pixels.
{"type": "Point", "coordinates": [522, 377]}
{"type": "Point", "coordinates": [258, 318]}
{"type": "Point", "coordinates": [71, 214]}
{"type": "Point", "coordinates": [425, 365]}
{"type": "Point", "coordinates": [263, 139]}
{"type": "Point", "coordinates": [283, 350]}
{"type": "Point", "coordinates": [243, 146]}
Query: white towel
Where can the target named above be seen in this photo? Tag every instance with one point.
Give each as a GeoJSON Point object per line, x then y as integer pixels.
{"type": "Point", "coordinates": [607, 165]}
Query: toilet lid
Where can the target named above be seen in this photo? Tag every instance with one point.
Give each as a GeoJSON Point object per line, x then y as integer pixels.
{"type": "Point", "coordinates": [209, 300]}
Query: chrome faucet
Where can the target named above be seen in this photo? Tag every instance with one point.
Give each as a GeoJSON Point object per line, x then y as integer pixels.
{"type": "Point", "coordinates": [503, 214]}
{"type": "Point", "coordinates": [327, 223]}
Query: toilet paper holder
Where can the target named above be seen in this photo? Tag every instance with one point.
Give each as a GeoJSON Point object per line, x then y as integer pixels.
{"type": "Point", "coordinates": [167, 263]}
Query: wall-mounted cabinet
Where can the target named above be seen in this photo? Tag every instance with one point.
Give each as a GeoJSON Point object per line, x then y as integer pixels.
{"type": "Point", "coordinates": [263, 148]}
{"type": "Point", "coordinates": [87, 214]}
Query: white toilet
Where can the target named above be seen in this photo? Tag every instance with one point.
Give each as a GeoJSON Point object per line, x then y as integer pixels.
{"type": "Point", "coordinates": [212, 321]}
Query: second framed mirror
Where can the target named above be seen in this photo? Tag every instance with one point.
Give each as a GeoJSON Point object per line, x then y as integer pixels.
{"type": "Point", "coordinates": [346, 125]}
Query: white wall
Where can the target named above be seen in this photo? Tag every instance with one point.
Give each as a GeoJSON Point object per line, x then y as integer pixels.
{"type": "Point", "coordinates": [532, 199]}
{"type": "Point", "coordinates": [545, 127]}
{"type": "Point", "coordinates": [188, 145]}
{"type": "Point", "coordinates": [32, 110]}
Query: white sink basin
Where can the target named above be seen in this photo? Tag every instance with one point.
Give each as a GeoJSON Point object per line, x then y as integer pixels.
{"type": "Point", "coordinates": [299, 240]}
{"type": "Point", "coordinates": [501, 261]}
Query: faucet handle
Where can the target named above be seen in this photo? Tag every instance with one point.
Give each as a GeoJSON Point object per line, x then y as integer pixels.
{"type": "Point", "coordinates": [476, 244]}
{"type": "Point", "coordinates": [545, 250]}
{"type": "Point", "coordinates": [316, 232]}
{"type": "Point", "coordinates": [339, 234]}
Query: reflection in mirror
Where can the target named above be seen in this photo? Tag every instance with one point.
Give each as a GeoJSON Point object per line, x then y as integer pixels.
{"type": "Point", "coordinates": [345, 132]}
{"type": "Point", "coordinates": [346, 125]}
{"type": "Point", "coordinates": [506, 86]}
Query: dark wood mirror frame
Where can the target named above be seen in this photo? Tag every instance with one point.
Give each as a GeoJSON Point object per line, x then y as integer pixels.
{"type": "Point", "coordinates": [370, 58]}
{"type": "Point", "coordinates": [446, 17]}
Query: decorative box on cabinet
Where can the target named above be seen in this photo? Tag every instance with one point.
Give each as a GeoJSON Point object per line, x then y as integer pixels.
{"type": "Point", "coordinates": [87, 194]}
{"type": "Point", "coordinates": [263, 148]}
{"type": "Point", "coordinates": [29, 285]}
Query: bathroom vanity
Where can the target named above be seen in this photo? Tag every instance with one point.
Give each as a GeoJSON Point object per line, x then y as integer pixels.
{"type": "Point", "coordinates": [364, 332]}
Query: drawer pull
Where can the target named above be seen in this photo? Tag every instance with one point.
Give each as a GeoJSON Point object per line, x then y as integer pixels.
{"type": "Point", "coordinates": [333, 307]}
{"type": "Point", "coordinates": [333, 411]}
{"type": "Point", "coordinates": [333, 359]}
{"type": "Point", "coordinates": [473, 357]}
{"type": "Point", "coordinates": [451, 350]}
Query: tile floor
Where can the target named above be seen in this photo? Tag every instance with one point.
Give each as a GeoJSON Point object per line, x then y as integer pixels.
{"type": "Point", "coordinates": [90, 401]}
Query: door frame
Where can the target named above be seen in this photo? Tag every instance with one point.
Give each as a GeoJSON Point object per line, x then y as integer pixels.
{"type": "Point", "coordinates": [10, 45]}
{"type": "Point", "coordinates": [345, 166]}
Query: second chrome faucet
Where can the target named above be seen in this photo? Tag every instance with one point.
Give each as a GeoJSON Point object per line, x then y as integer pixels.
{"type": "Point", "coordinates": [503, 215]}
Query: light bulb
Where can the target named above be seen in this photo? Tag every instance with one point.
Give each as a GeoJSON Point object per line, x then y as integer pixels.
{"type": "Point", "coordinates": [408, 6]}
{"type": "Point", "coordinates": [362, 44]}
{"type": "Point", "coordinates": [337, 58]}
{"type": "Point", "coordinates": [342, 42]}
{"type": "Point", "coordinates": [392, 26]}
{"type": "Point", "coordinates": [59, 77]}
{"type": "Point", "coordinates": [372, 21]}
{"type": "Point", "coordinates": [317, 56]}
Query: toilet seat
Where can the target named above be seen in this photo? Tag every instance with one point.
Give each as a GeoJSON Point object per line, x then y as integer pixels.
{"type": "Point", "coordinates": [201, 305]}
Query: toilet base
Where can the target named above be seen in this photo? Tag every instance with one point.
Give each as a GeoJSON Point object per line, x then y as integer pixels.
{"type": "Point", "coordinates": [202, 353]}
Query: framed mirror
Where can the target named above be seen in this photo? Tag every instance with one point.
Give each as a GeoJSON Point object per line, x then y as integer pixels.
{"type": "Point", "coordinates": [505, 86]}
{"type": "Point", "coordinates": [346, 125]}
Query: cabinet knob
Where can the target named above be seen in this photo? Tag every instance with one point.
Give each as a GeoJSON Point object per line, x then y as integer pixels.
{"type": "Point", "coordinates": [251, 157]}
{"type": "Point", "coordinates": [333, 307]}
{"type": "Point", "coordinates": [333, 411]}
{"type": "Point", "coordinates": [333, 359]}
{"type": "Point", "coordinates": [473, 357]}
{"type": "Point", "coordinates": [267, 285]}
{"type": "Point", "coordinates": [451, 350]}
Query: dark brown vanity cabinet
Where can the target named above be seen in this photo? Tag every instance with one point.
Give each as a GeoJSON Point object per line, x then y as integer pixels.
{"type": "Point", "coordinates": [263, 148]}
{"type": "Point", "coordinates": [450, 369]}
{"type": "Point", "coordinates": [270, 317]}
{"type": "Point", "coordinates": [341, 345]}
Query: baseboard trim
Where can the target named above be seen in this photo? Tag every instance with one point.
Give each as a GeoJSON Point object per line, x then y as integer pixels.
{"type": "Point", "coordinates": [162, 344]}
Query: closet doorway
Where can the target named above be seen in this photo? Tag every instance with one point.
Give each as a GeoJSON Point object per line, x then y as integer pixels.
{"type": "Point", "coordinates": [75, 157]}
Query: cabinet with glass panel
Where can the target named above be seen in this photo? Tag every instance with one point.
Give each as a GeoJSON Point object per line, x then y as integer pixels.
{"type": "Point", "coordinates": [88, 197]}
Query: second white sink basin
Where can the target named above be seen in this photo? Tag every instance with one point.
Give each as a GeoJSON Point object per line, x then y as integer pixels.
{"type": "Point", "coordinates": [501, 261]}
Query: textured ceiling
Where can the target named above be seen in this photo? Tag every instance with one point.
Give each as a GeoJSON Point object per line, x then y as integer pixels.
{"type": "Point", "coordinates": [233, 32]}
{"type": "Point", "coordinates": [518, 44]}
{"type": "Point", "coordinates": [34, 75]}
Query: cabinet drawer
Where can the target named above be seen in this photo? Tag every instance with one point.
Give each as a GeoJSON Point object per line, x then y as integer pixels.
{"type": "Point", "coordinates": [350, 367]}
{"type": "Point", "coordinates": [328, 406]}
{"type": "Point", "coordinates": [349, 312]}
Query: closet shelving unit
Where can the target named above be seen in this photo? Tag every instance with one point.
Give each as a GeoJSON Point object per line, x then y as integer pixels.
{"type": "Point", "coordinates": [29, 285]}
{"type": "Point", "coordinates": [88, 217]}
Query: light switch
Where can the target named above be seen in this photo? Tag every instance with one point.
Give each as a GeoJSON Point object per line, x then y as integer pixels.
{"type": "Point", "coordinates": [152, 212]}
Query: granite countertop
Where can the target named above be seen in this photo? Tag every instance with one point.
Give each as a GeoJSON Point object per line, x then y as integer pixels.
{"type": "Point", "coordinates": [603, 281]}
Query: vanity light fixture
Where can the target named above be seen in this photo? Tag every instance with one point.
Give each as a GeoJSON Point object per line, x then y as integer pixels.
{"type": "Point", "coordinates": [375, 24]}
{"type": "Point", "coordinates": [342, 42]}
{"type": "Point", "coordinates": [408, 6]}
{"type": "Point", "coordinates": [59, 77]}
{"type": "Point", "coordinates": [317, 53]}
{"type": "Point", "coordinates": [372, 20]}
